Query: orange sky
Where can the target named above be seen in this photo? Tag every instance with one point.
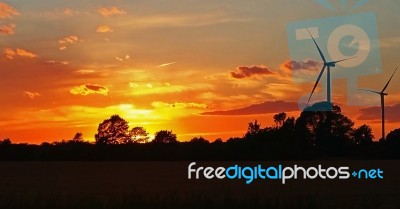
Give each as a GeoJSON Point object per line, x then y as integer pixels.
{"type": "Point", "coordinates": [65, 66]}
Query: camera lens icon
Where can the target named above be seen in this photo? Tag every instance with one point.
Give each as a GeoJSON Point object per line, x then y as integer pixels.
{"type": "Point", "coordinates": [360, 41]}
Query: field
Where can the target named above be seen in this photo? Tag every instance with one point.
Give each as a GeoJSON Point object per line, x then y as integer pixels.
{"type": "Point", "coordinates": [165, 185]}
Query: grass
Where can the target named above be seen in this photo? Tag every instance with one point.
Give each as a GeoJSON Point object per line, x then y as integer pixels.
{"type": "Point", "coordinates": [193, 201]}
{"type": "Point", "coordinates": [164, 185]}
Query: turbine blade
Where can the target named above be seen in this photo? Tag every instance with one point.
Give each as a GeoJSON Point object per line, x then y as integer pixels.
{"type": "Point", "coordinates": [316, 84]}
{"type": "Point", "coordinates": [369, 90]}
{"type": "Point", "coordinates": [387, 84]}
{"type": "Point", "coordinates": [319, 50]}
{"type": "Point", "coordinates": [359, 4]}
{"type": "Point", "coordinates": [326, 4]}
{"type": "Point", "coordinates": [345, 59]}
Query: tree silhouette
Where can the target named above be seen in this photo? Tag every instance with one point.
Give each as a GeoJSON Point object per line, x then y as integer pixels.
{"type": "Point", "coordinates": [113, 131]}
{"type": "Point", "coordinates": [218, 141]}
{"type": "Point", "coordinates": [199, 140]}
{"type": "Point", "coordinates": [165, 137]}
{"type": "Point", "coordinates": [329, 129]}
{"type": "Point", "coordinates": [6, 141]}
{"type": "Point", "coordinates": [253, 129]}
{"type": "Point", "coordinates": [279, 119]}
{"type": "Point", "coordinates": [394, 137]}
{"type": "Point", "coordinates": [139, 135]}
{"type": "Point", "coordinates": [78, 137]}
{"type": "Point", "coordinates": [362, 135]}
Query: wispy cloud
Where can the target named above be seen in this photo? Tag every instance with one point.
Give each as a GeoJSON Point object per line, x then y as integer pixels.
{"type": "Point", "coordinates": [31, 95]}
{"type": "Point", "coordinates": [180, 105]}
{"type": "Point", "coordinates": [7, 11]}
{"type": "Point", "coordinates": [192, 20]}
{"type": "Point", "coordinates": [25, 53]}
{"type": "Point", "coordinates": [67, 40]}
{"type": "Point", "coordinates": [69, 12]}
{"type": "Point", "coordinates": [57, 62]}
{"type": "Point", "coordinates": [89, 89]}
{"type": "Point", "coordinates": [11, 54]}
{"type": "Point", "coordinates": [166, 64]}
{"type": "Point", "coordinates": [127, 57]}
{"type": "Point", "coordinates": [256, 109]}
{"type": "Point", "coordinates": [85, 71]}
{"type": "Point", "coordinates": [7, 29]}
{"type": "Point", "coordinates": [390, 42]}
{"type": "Point", "coordinates": [110, 11]}
{"type": "Point", "coordinates": [104, 29]}
{"type": "Point", "coordinates": [374, 113]}
{"type": "Point", "coordinates": [166, 88]}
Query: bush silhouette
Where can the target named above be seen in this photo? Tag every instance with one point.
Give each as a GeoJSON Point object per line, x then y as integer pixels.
{"type": "Point", "coordinates": [165, 137]}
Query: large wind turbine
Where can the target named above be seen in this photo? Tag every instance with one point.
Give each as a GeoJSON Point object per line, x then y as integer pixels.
{"type": "Point", "coordinates": [382, 94]}
{"type": "Point", "coordinates": [327, 65]}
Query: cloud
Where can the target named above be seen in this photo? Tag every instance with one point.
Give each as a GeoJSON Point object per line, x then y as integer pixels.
{"type": "Point", "coordinates": [390, 42]}
{"type": "Point", "coordinates": [127, 57]}
{"type": "Point", "coordinates": [179, 20]}
{"type": "Point", "coordinates": [293, 65]}
{"type": "Point", "coordinates": [166, 64]}
{"type": "Point", "coordinates": [253, 71]}
{"type": "Point", "coordinates": [24, 53]}
{"type": "Point", "coordinates": [11, 54]}
{"type": "Point", "coordinates": [166, 88]}
{"type": "Point", "coordinates": [392, 113]}
{"type": "Point", "coordinates": [180, 105]}
{"type": "Point", "coordinates": [133, 85]}
{"type": "Point", "coordinates": [7, 11]}
{"type": "Point", "coordinates": [57, 62]}
{"type": "Point", "coordinates": [31, 95]}
{"type": "Point", "coordinates": [109, 11]}
{"type": "Point", "coordinates": [256, 109]}
{"type": "Point", "coordinates": [104, 29]}
{"type": "Point", "coordinates": [70, 12]}
{"type": "Point", "coordinates": [89, 89]}
{"type": "Point", "coordinates": [85, 71]}
{"type": "Point", "coordinates": [67, 40]}
{"type": "Point", "coordinates": [7, 29]}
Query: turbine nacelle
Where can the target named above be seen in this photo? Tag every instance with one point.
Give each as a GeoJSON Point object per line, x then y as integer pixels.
{"type": "Point", "coordinates": [330, 64]}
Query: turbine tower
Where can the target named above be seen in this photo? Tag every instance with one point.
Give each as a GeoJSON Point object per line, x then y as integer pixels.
{"type": "Point", "coordinates": [327, 65]}
{"type": "Point", "coordinates": [382, 94]}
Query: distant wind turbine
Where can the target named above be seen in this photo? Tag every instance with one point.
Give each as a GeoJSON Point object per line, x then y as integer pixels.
{"type": "Point", "coordinates": [383, 94]}
{"type": "Point", "coordinates": [327, 65]}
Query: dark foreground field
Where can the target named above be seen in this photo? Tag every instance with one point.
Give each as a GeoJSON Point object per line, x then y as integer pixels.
{"type": "Point", "coordinates": [165, 185]}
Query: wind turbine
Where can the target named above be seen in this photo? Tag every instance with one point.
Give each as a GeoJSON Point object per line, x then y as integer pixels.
{"type": "Point", "coordinates": [327, 65]}
{"type": "Point", "coordinates": [382, 94]}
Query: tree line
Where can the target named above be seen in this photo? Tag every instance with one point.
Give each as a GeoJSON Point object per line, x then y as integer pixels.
{"type": "Point", "coordinates": [313, 135]}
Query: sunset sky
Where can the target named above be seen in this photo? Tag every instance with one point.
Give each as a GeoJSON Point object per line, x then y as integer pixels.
{"type": "Point", "coordinates": [189, 66]}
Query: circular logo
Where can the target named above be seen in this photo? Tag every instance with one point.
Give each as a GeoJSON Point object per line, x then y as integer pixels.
{"type": "Point", "coordinates": [360, 39]}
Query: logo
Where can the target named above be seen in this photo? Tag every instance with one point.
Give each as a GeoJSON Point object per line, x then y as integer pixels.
{"type": "Point", "coordinates": [281, 173]}
{"type": "Point", "coordinates": [350, 45]}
